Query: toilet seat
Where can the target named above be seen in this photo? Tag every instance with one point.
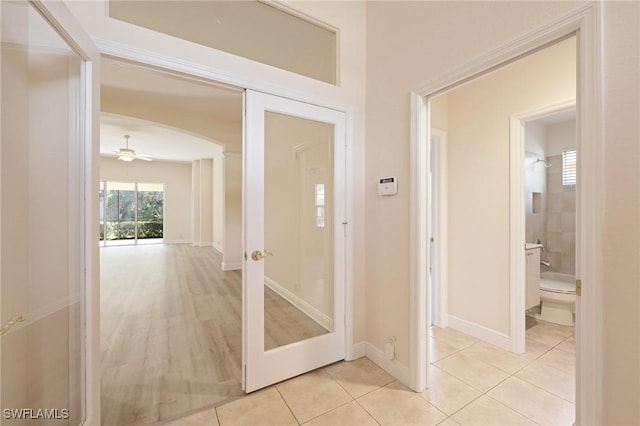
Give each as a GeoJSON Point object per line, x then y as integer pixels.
{"type": "Point", "coordinates": [557, 287]}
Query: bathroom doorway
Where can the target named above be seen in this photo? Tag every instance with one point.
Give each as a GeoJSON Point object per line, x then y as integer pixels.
{"type": "Point", "coordinates": [485, 268]}
{"type": "Point", "coordinates": [550, 164]}
{"type": "Point", "coordinates": [483, 239]}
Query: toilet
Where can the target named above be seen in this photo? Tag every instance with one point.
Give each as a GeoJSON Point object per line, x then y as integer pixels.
{"type": "Point", "coordinates": [558, 298]}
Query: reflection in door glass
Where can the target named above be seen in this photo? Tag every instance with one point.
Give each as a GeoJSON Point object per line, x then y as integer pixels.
{"type": "Point", "coordinates": [298, 226]}
{"type": "Point", "coordinates": [41, 238]}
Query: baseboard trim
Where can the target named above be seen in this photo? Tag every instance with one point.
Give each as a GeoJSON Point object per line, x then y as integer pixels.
{"type": "Point", "coordinates": [203, 244]}
{"type": "Point", "coordinates": [217, 246]}
{"type": "Point", "coordinates": [231, 266]}
{"type": "Point", "coordinates": [358, 350]}
{"type": "Point", "coordinates": [393, 367]}
{"type": "Point", "coordinates": [480, 332]}
{"type": "Point", "coordinates": [177, 241]}
{"type": "Point", "coordinates": [323, 320]}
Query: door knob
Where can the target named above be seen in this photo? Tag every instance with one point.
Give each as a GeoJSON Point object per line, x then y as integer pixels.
{"type": "Point", "coordinates": [7, 325]}
{"type": "Point", "coordinates": [257, 255]}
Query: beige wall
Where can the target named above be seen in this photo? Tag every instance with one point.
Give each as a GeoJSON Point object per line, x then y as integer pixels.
{"type": "Point", "coordinates": [478, 177]}
{"type": "Point", "coordinates": [176, 178]}
{"type": "Point", "coordinates": [206, 201]}
{"type": "Point", "coordinates": [218, 202]}
{"type": "Point", "coordinates": [232, 239]}
{"type": "Point", "coordinates": [397, 65]}
{"type": "Point", "coordinates": [202, 190]}
{"type": "Point", "coordinates": [430, 38]}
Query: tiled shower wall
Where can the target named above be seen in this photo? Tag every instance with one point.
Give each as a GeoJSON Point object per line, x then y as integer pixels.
{"type": "Point", "coordinates": [560, 247]}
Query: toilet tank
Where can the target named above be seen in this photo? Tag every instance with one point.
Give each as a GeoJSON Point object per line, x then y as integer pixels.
{"type": "Point", "coordinates": [533, 275]}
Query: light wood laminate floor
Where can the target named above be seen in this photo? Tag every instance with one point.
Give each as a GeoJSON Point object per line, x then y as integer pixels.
{"type": "Point", "coordinates": [171, 331]}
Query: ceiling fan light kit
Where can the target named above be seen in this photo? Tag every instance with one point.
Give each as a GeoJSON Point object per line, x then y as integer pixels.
{"type": "Point", "coordinates": [128, 155]}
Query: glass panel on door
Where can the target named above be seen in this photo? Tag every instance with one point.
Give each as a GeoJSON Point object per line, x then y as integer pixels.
{"type": "Point", "coordinates": [298, 229]}
{"type": "Point", "coordinates": [294, 268]}
{"type": "Point", "coordinates": [41, 262]}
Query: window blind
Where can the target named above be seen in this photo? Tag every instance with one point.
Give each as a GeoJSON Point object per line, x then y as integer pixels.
{"type": "Point", "coordinates": [569, 168]}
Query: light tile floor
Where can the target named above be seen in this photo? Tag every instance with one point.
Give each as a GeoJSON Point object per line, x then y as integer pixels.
{"type": "Point", "coordinates": [472, 383]}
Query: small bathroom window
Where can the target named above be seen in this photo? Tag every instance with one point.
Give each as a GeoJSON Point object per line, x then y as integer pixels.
{"type": "Point", "coordinates": [569, 169]}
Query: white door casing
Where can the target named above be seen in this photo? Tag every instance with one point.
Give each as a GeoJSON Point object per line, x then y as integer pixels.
{"type": "Point", "coordinates": [518, 215]}
{"type": "Point", "coordinates": [584, 23]}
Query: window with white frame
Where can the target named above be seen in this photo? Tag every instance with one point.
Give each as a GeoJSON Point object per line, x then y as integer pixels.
{"type": "Point", "coordinates": [319, 205]}
{"type": "Point", "coordinates": [569, 169]}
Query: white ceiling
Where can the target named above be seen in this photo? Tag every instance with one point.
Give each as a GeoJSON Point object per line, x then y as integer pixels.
{"type": "Point", "coordinates": [155, 140]}
{"type": "Point", "coordinates": [159, 91]}
{"type": "Point", "coordinates": [181, 93]}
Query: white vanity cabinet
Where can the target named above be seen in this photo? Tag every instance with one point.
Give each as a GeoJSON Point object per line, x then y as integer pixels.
{"type": "Point", "coordinates": [533, 274]}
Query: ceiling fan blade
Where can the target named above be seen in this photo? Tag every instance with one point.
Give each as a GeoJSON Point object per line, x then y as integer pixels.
{"type": "Point", "coordinates": [143, 157]}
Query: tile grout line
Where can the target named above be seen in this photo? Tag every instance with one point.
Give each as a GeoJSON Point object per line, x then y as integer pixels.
{"type": "Point", "coordinates": [367, 411]}
{"type": "Point", "coordinates": [551, 348]}
{"type": "Point", "coordinates": [287, 404]}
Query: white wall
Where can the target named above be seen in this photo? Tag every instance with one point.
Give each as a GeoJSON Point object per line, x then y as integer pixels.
{"type": "Point", "coordinates": [176, 178]}
{"type": "Point", "coordinates": [560, 136]}
{"type": "Point", "coordinates": [535, 138]}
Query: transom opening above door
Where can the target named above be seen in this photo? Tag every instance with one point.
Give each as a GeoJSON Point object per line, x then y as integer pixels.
{"type": "Point", "coordinates": [251, 29]}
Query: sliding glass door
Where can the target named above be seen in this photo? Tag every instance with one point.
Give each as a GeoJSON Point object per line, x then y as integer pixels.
{"type": "Point", "coordinates": [131, 213]}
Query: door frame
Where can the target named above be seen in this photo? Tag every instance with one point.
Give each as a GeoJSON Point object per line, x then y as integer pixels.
{"type": "Point", "coordinates": [219, 76]}
{"type": "Point", "coordinates": [517, 216]}
{"type": "Point", "coordinates": [438, 252]}
{"type": "Point", "coordinates": [584, 23]}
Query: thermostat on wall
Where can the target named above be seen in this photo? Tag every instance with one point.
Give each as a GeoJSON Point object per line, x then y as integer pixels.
{"type": "Point", "coordinates": [388, 186]}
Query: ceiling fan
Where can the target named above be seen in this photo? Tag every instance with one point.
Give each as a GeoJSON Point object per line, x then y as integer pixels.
{"type": "Point", "coordinates": [127, 154]}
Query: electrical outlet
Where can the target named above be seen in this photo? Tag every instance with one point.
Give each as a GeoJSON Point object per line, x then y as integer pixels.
{"type": "Point", "coordinates": [390, 348]}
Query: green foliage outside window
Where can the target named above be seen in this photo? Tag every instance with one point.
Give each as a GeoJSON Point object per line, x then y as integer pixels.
{"type": "Point", "coordinates": [120, 211]}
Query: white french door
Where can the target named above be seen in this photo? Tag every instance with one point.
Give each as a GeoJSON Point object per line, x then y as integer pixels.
{"type": "Point", "coordinates": [294, 238]}
{"type": "Point", "coordinates": [46, 92]}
